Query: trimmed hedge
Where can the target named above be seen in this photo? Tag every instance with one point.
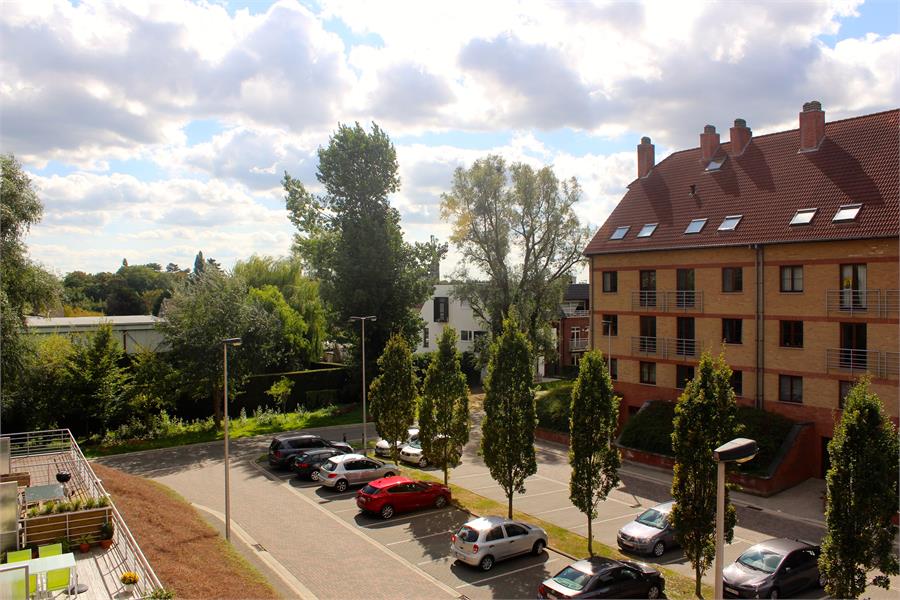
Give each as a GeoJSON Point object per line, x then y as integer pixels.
{"type": "Point", "coordinates": [553, 408]}
{"type": "Point", "coordinates": [333, 380]}
{"type": "Point", "coordinates": [651, 428]}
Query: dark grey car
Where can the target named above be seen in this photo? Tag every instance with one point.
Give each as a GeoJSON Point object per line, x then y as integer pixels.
{"type": "Point", "coordinates": [775, 568]}
{"type": "Point", "coordinates": [285, 446]}
{"type": "Point", "coordinates": [650, 532]}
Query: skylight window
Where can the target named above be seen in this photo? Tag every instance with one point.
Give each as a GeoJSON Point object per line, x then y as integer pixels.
{"type": "Point", "coordinates": [647, 230]}
{"type": "Point", "coordinates": [716, 164]}
{"type": "Point", "coordinates": [730, 223]}
{"type": "Point", "coordinates": [620, 232]}
{"type": "Point", "coordinates": [696, 226]}
{"type": "Point", "coordinates": [804, 216]}
{"type": "Point", "coordinates": [847, 212]}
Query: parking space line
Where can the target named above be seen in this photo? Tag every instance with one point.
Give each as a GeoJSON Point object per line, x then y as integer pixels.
{"type": "Point", "coordinates": [421, 537]}
{"type": "Point", "coordinates": [628, 516]}
{"type": "Point", "coordinates": [433, 560]}
{"type": "Point", "coordinates": [386, 524]}
{"type": "Point", "coordinates": [333, 497]}
{"type": "Point", "coordinates": [487, 487]}
{"type": "Point", "coordinates": [553, 510]}
{"type": "Point", "coordinates": [455, 478]}
{"type": "Point", "coordinates": [526, 495]}
{"type": "Point", "coordinates": [343, 510]}
{"type": "Point", "coordinates": [480, 581]}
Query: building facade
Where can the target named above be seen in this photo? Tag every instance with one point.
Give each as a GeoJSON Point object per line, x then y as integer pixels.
{"type": "Point", "coordinates": [573, 327]}
{"type": "Point", "coordinates": [443, 309]}
{"type": "Point", "coordinates": [780, 251]}
{"type": "Point", "coordinates": [136, 333]}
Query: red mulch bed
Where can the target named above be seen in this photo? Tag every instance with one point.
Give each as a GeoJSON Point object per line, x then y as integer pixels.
{"type": "Point", "coordinates": [187, 554]}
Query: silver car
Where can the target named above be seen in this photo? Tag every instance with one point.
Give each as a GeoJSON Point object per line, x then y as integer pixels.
{"type": "Point", "coordinates": [650, 532]}
{"type": "Point", "coordinates": [383, 447]}
{"type": "Point", "coordinates": [340, 472]}
{"type": "Point", "coordinates": [486, 540]}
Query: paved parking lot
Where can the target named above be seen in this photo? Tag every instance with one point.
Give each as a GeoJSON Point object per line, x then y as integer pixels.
{"type": "Point", "coordinates": [422, 539]}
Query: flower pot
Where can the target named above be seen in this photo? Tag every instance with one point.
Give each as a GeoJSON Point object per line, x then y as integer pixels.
{"type": "Point", "coordinates": [105, 544]}
{"type": "Point", "coordinates": [85, 548]}
{"type": "Point", "coordinates": [129, 588]}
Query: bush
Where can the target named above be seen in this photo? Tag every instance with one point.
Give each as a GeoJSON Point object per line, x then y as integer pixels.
{"type": "Point", "coordinates": [316, 399]}
{"type": "Point", "coordinates": [650, 429]}
{"type": "Point", "coordinates": [553, 408]}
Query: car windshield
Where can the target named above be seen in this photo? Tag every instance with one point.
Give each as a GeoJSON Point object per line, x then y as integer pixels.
{"type": "Point", "coordinates": [330, 466]}
{"type": "Point", "coordinates": [415, 444]}
{"type": "Point", "coordinates": [761, 559]}
{"type": "Point", "coordinates": [572, 578]}
{"type": "Point", "coordinates": [370, 490]}
{"type": "Point", "coordinates": [467, 534]}
{"type": "Point", "coordinates": [653, 518]}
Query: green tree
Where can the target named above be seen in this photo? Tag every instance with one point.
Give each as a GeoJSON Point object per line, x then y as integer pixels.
{"type": "Point", "coordinates": [350, 238]}
{"type": "Point", "coordinates": [39, 398]}
{"type": "Point", "coordinates": [291, 345]}
{"type": "Point", "coordinates": [592, 432]}
{"type": "Point", "coordinates": [97, 383]}
{"type": "Point", "coordinates": [393, 395]}
{"type": "Point", "coordinates": [444, 414]}
{"type": "Point", "coordinates": [281, 392]}
{"type": "Point", "coordinates": [705, 418]}
{"type": "Point", "coordinates": [862, 497]}
{"type": "Point", "coordinates": [516, 227]}
{"type": "Point", "coordinates": [507, 443]}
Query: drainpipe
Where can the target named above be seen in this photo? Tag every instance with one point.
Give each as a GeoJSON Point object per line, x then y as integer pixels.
{"type": "Point", "coordinates": [760, 326]}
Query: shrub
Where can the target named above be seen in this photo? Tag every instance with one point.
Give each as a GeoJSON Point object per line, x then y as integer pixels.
{"type": "Point", "coordinates": [553, 408]}
{"type": "Point", "coordinates": [650, 429]}
{"type": "Point", "coordinates": [316, 399]}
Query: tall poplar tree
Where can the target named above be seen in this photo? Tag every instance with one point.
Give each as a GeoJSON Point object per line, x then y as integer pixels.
{"type": "Point", "coordinates": [592, 430]}
{"type": "Point", "coordinates": [705, 418]}
{"type": "Point", "coordinates": [862, 496]}
{"type": "Point", "coordinates": [507, 442]}
{"type": "Point", "coordinates": [393, 395]}
{"type": "Point", "coordinates": [444, 415]}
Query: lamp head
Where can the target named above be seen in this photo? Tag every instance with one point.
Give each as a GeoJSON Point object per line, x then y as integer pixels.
{"type": "Point", "coordinates": [232, 342]}
{"type": "Point", "coordinates": [738, 450]}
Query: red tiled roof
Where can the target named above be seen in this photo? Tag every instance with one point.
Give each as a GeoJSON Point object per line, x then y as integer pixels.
{"type": "Point", "coordinates": [857, 162]}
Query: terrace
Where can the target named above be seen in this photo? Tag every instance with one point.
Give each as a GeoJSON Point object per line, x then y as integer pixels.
{"type": "Point", "coordinates": [49, 494]}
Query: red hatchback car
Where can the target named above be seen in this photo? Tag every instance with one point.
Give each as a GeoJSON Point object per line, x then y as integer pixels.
{"type": "Point", "coordinates": [391, 495]}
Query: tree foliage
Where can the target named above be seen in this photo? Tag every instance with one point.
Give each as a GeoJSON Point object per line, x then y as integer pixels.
{"type": "Point", "coordinates": [592, 452]}
{"type": "Point", "coordinates": [515, 227]}
{"type": "Point", "coordinates": [96, 382]}
{"type": "Point", "coordinates": [507, 443]}
{"type": "Point", "coordinates": [862, 497]}
{"type": "Point", "coordinates": [393, 395]}
{"type": "Point", "coordinates": [350, 239]}
{"type": "Point", "coordinates": [705, 418]}
{"type": "Point", "coordinates": [444, 414]}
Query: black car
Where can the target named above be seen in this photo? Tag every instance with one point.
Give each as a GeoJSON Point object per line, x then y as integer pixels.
{"type": "Point", "coordinates": [776, 568]}
{"type": "Point", "coordinates": [307, 463]}
{"type": "Point", "coordinates": [604, 578]}
{"type": "Point", "coordinates": [286, 446]}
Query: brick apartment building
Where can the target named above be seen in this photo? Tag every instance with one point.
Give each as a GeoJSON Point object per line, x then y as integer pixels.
{"type": "Point", "coordinates": [573, 326]}
{"type": "Point", "coordinates": [780, 250]}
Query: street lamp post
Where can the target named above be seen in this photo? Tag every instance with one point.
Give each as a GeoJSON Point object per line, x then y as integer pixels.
{"type": "Point", "coordinates": [738, 450]}
{"type": "Point", "coordinates": [225, 343]}
{"type": "Point", "coordinates": [363, 320]}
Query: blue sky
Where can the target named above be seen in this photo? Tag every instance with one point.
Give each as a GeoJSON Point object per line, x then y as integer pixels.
{"type": "Point", "coordinates": [152, 134]}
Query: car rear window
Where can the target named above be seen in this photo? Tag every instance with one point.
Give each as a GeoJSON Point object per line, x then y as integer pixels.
{"type": "Point", "coordinates": [330, 466]}
{"type": "Point", "coordinates": [370, 490]}
{"type": "Point", "coordinates": [467, 534]}
{"type": "Point", "coordinates": [572, 578]}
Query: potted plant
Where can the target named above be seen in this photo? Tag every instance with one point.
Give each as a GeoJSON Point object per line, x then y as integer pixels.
{"type": "Point", "coordinates": [84, 543]}
{"type": "Point", "coordinates": [129, 579]}
{"type": "Point", "coordinates": [106, 534]}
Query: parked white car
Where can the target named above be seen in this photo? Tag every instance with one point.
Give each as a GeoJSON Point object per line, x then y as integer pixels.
{"type": "Point", "coordinates": [412, 453]}
{"type": "Point", "coordinates": [383, 447]}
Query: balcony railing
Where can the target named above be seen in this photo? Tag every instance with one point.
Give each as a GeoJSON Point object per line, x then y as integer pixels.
{"type": "Point", "coordinates": [674, 348]}
{"type": "Point", "coordinates": [852, 361]}
{"type": "Point", "coordinates": [578, 345]}
{"type": "Point", "coordinates": [863, 303]}
{"type": "Point", "coordinates": [575, 312]}
{"type": "Point", "coordinates": [667, 301]}
{"type": "Point", "coordinates": [646, 346]}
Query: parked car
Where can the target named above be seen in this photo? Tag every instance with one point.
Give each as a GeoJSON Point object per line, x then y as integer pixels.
{"type": "Point", "coordinates": [774, 568]}
{"type": "Point", "coordinates": [285, 446]}
{"type": "Point", "coordinates": [413, 453]}
{"type": "Point", "coordinates": [650, 532]}
{"type": "Point", "coordinates": [340, 472]}
{"type": "Point", "coordinates": [383, 447]}
{"type": "Point", "coordinates": [483, 541]}
{"type": "Point", "coordinates": [391, 495]}
{"type": "Point", "coordinates": [307, 463]}
{"type": "Point", "coordinates": [599, 577]}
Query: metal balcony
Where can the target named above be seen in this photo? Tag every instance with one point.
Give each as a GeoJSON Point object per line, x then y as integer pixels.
{"type": "Point", "coordinates": [667, 301]}
{"type": "Point", "coordinates": [672, 348]}
{"type": "Point", "coordinates": [578, 345]}
{"type": "Point", "coordinates": [862, 303]}
{"type": "Point", "coordinates": [646, 346]}
{"type": "Point", "coordinates": [853, 361]}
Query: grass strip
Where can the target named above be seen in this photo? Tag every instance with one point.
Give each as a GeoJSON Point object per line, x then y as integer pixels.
{"type": "Point", "coordinates": [562, 540]}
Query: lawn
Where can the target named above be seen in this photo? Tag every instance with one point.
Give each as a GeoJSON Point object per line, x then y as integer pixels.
{"type": "Point", "coordinates": [187, 554]}
{"type": "Point", "coordinates": [562, 540]}
{"type": "Point", "coordinates": [238, 428]}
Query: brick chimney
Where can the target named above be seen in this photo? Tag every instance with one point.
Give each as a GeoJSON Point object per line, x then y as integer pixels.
{"type": "Point", "coordinates": [646, 157]}
{"type": "Point", "coordinates": [740, 137]}
{"type": "Point", "coordinates": [709, 143]}
{"type": "Point", "coordinates": [812, 126]}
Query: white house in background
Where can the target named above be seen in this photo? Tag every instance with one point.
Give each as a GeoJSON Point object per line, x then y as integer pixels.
{"type": "Point", "coordinates": [443, 309]}
{"type": "Point", "coordinates": [134, 332]}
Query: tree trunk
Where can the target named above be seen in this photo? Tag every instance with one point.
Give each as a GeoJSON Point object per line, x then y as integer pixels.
{"type": "Point", "coordinates": [217, 406]}
{"type": "Point", "coordinates": [445, 473]}
{"type": "Point", "coordinates": [697, 584]}
{"type": "Point", "coordinates": [509, 496]}
{"type": "Point", "coordinates": [590, 538]}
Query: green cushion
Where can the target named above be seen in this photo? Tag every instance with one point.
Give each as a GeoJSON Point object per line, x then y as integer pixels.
{"type": "Point", "coordinates": [18, 555]}
{"type": "Point", "coordinates": [50, 550]}
{"type": "Point", "coordinates": [58, 579]}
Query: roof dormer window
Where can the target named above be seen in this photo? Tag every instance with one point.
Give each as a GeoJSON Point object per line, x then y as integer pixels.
{"type": "Point", "coordinates": [730, 223]}
{"type": "Point", "coordinates": [716, 164]}
{"type": "Point", "coordinates": [620, 232]}
{"type": "Point", "coordinates": [695, 226]}
{"type": "Point", "coordinates": [847, 212]}
{"type": "Point", "coordinates": [647, 230]}
{"type": "Point", "coordinates": [804, 216]}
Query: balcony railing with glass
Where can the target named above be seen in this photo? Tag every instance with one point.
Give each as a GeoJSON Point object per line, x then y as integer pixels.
{"type": "Point", "coordinates": [578, 345]}
{"type": "Point", "coordinates": [674, 348]}
{"type": "Point", "coordinates": [863, 303]}
{"type": "Point", "coordinates": [667, 301]}
{"type": "Point", "coordinates": [853, 361]}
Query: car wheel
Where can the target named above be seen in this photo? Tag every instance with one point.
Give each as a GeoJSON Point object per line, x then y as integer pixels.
{"type": "Point", "coordinates": [387, 511]}
{"type": "Point", "coordinates": [654, 591]}
{"type": "Point", "coordinates": [314, 475]}
{"type": "Point", "coordinates": [440, 502]}
{"type": "Point", "coordinates": [423, 462]}
{"type": "Point", "coordinates": [659, 549]}
{"type": "Point", "coordinates": [774, 593]}
{"type": "Point", "coordinates": [538, 547]}
{"type": "Point", "coordinates": [486, 563]}
{"type": "Point", "coordinates": [341, 486]}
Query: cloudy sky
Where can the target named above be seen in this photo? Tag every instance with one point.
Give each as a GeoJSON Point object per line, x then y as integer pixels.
{"type": "Point", "coordinates": [154, 130]}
